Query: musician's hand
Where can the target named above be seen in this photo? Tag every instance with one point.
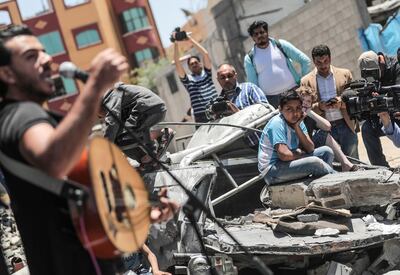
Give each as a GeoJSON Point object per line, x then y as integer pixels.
{"type": "Point", "coordinates": [106, 69]}
{"type": "Point", "coordinates": [167, 209]}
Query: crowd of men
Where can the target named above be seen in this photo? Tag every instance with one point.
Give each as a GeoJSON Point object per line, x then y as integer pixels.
{"type": "Point", "coordinates": [312, 128]}
{"type": "Point", "coordinates": [313, 116]}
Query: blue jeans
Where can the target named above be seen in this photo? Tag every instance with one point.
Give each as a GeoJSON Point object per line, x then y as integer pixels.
{"type": "Point", "coordinates": [318, 163]}
{"type": "Point", "coordinates": [371, 137]}
{"type": "Point", "coordinates": [346, 138]}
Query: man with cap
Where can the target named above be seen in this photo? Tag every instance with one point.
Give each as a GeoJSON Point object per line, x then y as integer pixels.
{"type": "Point", "coordinates": [389, 74]}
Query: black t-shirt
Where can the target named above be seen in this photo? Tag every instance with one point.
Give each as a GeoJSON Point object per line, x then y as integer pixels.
{"type": "Point", "coordinates": [50, 241]}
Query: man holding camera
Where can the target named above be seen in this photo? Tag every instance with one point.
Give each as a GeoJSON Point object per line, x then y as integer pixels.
{"type": "Point", "coordinates": [239, 95]}
{"type": "Point", "coordinates": [328, 83]}
{"type": "Point", "coordinates": [199, 83]}
{"type": "Point", "coordinates": [270, 63]}
{"type": "Point", "coordinates": [389, 74]}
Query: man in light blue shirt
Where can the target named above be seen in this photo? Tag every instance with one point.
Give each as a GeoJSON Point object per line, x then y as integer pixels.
{"type": "Point", "coordinates": [390, 129]}
{"type": "Point", "coordinates": [286, 152]}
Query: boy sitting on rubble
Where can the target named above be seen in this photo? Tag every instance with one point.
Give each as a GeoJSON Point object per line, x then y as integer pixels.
{"type": "Point", "coordinates": [319, 128]}
{"type": "Point", "coordinates": [286, 152]}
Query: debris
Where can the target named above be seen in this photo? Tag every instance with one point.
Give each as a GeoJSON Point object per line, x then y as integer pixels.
{"type": "Point", "coordinates": [388, 260]}
{"type": "Point", "coordinates": [308, 217]}
{"type": "Point", "coordinates": [391, 211]}
{"type": "Point", "coordinates": [327, 232]}
{"type": "Point", "coordinates": [336, 268]}
{"type": "Point", "coordinates": [361, 188]}
{"type": "Point", "coordinates": [369, 219]}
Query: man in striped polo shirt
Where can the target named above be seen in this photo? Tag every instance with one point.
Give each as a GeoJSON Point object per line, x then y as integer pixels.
{"type": "Point", "coordinates": [199, 83]}
{"type": "Point", "coordinates": [241, 95]}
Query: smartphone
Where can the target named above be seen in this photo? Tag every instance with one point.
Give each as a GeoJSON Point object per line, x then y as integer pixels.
{"type": "Point", "coordinates": [331, 101]}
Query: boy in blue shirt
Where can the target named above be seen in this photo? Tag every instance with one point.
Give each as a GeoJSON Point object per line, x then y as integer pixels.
{"type": "Point", "coordinates": [286, 152]}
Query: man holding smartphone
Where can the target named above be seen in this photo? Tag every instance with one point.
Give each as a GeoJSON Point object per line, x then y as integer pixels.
{"type": "Point", "coordinates": [328, 83]}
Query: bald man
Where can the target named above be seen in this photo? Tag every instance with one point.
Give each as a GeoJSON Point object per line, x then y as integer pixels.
{"type": "Point", "coordinates": [241, 95]}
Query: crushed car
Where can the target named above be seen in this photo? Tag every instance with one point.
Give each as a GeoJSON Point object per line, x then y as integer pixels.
{"type": "Point", "coordinates": [344, 223]}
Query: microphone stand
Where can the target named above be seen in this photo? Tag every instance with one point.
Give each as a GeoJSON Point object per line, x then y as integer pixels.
{"type": "Point", "coordinates": [193, 204]}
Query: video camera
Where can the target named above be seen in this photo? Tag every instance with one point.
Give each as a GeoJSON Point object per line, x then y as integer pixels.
{"type": "Point", "coordinates": [179, 35]}
{"type": "Point", "coordinates": [218, 108]}
{"type": "Point", "coordinates": [361, 100]}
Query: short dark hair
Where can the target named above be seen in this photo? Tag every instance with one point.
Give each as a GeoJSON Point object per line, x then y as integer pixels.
{"type": "Point", "coordinates": [5, 53]}
{"type": "Point", "coordinates": [287, 96]}
{"type": "Point", "coordinates": [320, 50]}
{"type": "Point", "coordinates": [256, 25]}
{"type": "Point", "coordinates": [191, 57]}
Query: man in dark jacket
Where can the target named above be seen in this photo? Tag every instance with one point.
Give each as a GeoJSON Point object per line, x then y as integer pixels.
{"type": "Point", "coordinates": [139, 109]}
{"type": "Point", "coordinates": [372, 128]}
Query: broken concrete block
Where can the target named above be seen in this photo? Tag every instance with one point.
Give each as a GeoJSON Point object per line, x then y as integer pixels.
{"type": "Point", "coordinates": [287, 196]}
{"type": "Point", "coordinates": [356, 189]}
{"type": "Point", "coordinates": [388, 260]}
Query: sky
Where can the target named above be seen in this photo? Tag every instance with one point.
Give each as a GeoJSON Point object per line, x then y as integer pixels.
{"type": "Point", "coordinates": [168, 15]}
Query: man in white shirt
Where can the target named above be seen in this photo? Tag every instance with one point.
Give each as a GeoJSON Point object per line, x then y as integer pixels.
{"type": "Point", "coordinates": [269, 64]}
{"type": "Point", "coordinates": [328, 83]}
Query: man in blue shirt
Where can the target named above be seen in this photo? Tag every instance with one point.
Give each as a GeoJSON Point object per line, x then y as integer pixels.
{"type": "Point", "coordinates": [390, 129]}
{"type": "Point", "coordinates": [241, 95]}
{"type": "Point", "coordinates": [286, 152]}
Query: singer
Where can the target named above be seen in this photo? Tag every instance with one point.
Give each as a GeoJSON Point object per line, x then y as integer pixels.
{"type": "Point", "coordinates": [30, 134]}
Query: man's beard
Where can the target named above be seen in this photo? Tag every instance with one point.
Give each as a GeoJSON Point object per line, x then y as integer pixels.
{"type": "Point", "coordinates": [28, 88]}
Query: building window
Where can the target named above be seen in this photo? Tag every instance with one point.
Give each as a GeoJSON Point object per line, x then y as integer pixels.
{"type": "Point", "coordinates": [140, 57]}
{"type": "Point", "coordinates": [134, 19]}
{"type": "Point", "coordinates": [29, 9]}
{"type": "Point", "coordinates": [5, 18]}
{"type": "Point", "coordinates": [69, 85]}
{"type": "Point", "coordinates": [52, 43]}
{"type": "Point", "coordinates": [87, 38]}
{"type": "Point", "coordinates": [73, 3]}
{"type": "Point", "coordinates": [173, 86]}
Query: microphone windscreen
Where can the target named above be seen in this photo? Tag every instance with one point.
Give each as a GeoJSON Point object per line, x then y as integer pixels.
{"type": "Point", "coordinates": [67, 69]}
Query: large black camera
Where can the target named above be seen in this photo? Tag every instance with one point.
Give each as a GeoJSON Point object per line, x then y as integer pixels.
{"type": "Point", "coordinates": [366, 97]}
{"type": "Point", "coordinates": [218, 108]}
{"type": "Point", "coordinates": [179, 35]}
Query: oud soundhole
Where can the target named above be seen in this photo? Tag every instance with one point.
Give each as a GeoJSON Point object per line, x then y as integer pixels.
{"type": "Point", "coordinates": [107, 194]}
{"type": "Point", "coordinates": [130, 198]}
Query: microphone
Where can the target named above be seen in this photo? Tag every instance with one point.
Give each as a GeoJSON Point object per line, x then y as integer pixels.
{"type": "Point", "coordinates": [70, 70]}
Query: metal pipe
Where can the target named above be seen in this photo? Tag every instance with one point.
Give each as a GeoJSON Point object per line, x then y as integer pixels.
{"type": "Point", "coordinates": [188, 159]}
{"type": "Point", "coordinates": [238, 189]}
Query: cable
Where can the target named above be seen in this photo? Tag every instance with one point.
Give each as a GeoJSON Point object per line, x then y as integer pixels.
{"type": "Point", "coordinates": [196, 202]}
